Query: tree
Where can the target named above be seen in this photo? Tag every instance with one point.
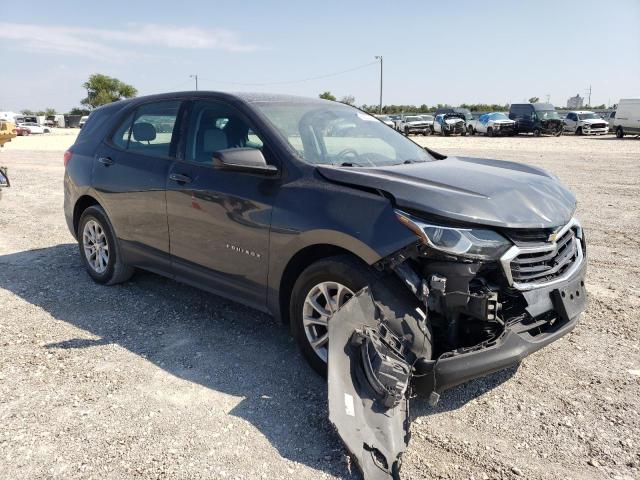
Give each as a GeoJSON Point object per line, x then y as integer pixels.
{"type": "Point", "coordinates": [102, 89]}
{"type": "Point", "coordinates": [348, 99]}
{"type": "Point", "coordinates": [79, 111]}
{"type": "Point", "coordinates": [534, 99]}
{"type": "Point", "coordinates": [49, 112]}
{"type": "Point", "coordinates": [328, 96]}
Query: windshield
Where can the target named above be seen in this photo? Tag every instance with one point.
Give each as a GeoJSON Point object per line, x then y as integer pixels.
{"type": "Point", "coordinates": [465, 112]}
{"type": "Point", "coordinates": [336, 134]}
{"type": "Point", "coordinates": [414, 119]}
{"type": "Point", "coordinates": [588, 116]}
{"type": "Point", "coordinates": [428, 118]}
{"type": "Point", "coordinates": [547, 114]}
{"type": "Point", "coordinates": [384, 118]}
{"type": "Point", "coordinates": [497, 116]}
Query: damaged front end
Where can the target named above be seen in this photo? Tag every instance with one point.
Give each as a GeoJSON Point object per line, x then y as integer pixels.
{"type": "Point", "coordinates": [458, 304]}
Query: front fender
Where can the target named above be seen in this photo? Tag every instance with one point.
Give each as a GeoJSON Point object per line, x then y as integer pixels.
{"type": "Point", "coordinates": [361, 222]}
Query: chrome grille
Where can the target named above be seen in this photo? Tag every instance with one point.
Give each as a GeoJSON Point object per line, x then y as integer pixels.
{"type": "Point", "coordinates": [544, 266]}
{"type": "Point", "coordinates": [528, 267]}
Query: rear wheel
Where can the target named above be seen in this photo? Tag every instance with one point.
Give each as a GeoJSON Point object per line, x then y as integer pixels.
{"type": "Point", "coordinates": [619, 132]}
{"type": "Point", "coordinates": [99, 248]}
{"type": "Point", "coordinates": [536, 132]}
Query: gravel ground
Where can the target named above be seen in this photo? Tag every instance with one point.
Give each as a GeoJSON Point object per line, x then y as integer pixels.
{"type": "Point", "coordinates": [153, 379]}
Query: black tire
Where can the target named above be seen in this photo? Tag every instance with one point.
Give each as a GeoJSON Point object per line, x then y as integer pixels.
{"type": "Point", "coordinates": [406, 132]}
{"type": "Point", "coordinates": [489, 132]}
{"type": "Point", "coordinates": [395, 300]}
{"type": "Point", "coordinates": [463, 132]}
{"type": "Point", "coordinates": [116, 270]}
{"type": "Point", "coordinates": [579, 131]}
{"type": "Point", "coordinates": [536, 132]}
{"type": "Point", "coordinates": [472, 131]}
{"type": "Point", "coordinates": [619, 132]}
{"type": "Point", "coordinates": [344, 269]}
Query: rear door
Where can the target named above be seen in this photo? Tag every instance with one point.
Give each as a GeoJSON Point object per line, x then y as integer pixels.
{"type": "Point", "coordinates": [219, 220]}
{"type": "Point", "coordinates": [129, 176]}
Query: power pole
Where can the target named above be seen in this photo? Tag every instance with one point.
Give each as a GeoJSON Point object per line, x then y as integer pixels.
{"type": "Point", "coordinates": [379, 57]}
{"type": "Point", "coordinates": [588, 92]}
{"type": "Point", "coordinates": [548, 97]}
{"type": "Point", "coordinates": [196, 77]}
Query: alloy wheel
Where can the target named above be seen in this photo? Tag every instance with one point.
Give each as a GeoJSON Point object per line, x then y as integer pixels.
{"type": "Point", "coordinates": [322, 301]}
{"type": "Point", "coordinates": [96, 246]}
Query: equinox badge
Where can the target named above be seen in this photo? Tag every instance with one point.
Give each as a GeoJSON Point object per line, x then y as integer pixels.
{"type": "Point", "coordinates": [238, 249]}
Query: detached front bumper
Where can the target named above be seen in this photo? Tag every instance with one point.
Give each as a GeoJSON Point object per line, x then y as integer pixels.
{"type": "Point", "coordinates": [517, 341]}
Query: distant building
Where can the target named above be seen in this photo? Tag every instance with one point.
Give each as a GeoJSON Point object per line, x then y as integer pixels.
{"type": "Point", "coordinates": [575, 102]}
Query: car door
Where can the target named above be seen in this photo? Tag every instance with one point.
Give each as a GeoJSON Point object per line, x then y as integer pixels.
{"type": "Point", "coordinates": [219, 220]}
{"type": "Point", "coordinates": [571, 122]}
{"type": "Point", "coordinates": [129, 177]}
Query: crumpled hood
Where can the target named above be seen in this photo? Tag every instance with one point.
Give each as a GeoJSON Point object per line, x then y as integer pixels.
{"type": "Point", "coordinates": [453, 121]}
{"type": "Point", "coordinates": [479, 191]}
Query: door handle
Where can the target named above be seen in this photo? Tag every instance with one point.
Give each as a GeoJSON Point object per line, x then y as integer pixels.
{"type": "Point", "coordinates": [106, 161]}
{"type": "Point", "coordinates": [176, 177]}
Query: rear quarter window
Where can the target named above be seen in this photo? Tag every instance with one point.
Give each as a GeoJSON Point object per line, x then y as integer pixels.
{"type": "Point", "coordinates": [149, 129]}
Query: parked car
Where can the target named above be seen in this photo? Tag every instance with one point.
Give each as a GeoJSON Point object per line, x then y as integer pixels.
{"type": "Point", "coordinates": [536, 118]}
{"type": "Point", "coordinates": [83, 120]}
{"type": "Point", "coordinates": [495, 123]}
{"type": "Point", "coordinates": [22, 131]}
{"type": "Point", "coordinates": [386, 120]}
{"type": "Point", "coordinates": [627, 119]}
{"type": "Point", "coordinates": [429, 119]}
{"type": "Point", "coordinates": [413, 124]}
{"type": "Point", "coordinates": [450, 124]}
{"type": "Point", "coordinates": [582, 122]}
{"type": "Point", "coordinates": [34, 128]}
{"type": "Point", "coordinates": [247, 196]}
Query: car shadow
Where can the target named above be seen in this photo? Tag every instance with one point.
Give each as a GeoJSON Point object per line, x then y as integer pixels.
{"type": "Point", "coordinates": [202, 338]}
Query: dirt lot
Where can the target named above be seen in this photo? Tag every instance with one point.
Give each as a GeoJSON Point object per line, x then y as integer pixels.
{"type": "Point", "coordinates": [153, 379]}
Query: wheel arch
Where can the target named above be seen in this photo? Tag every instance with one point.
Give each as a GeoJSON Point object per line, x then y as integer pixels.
{"type": "Point", "coordinates": [298, 263]}
{"type": "Point", "coordinates": [84, 202]}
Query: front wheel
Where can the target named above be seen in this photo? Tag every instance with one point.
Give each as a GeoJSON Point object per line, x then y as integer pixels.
{"type": "Point", "coordinates": [489, 132]}
{"type": "Point", "coordinates": [317, 294]}
{"type": "Point", "coordinates": [536, 132]}
{"type": "Point", "coordinates": [579, 131]}
{"type": "Point", "coordinates": [99, 249]}
{"type": "Point", "coordinates": [619, 132]}
{"type": "Point", "coordinates": [471, 130]}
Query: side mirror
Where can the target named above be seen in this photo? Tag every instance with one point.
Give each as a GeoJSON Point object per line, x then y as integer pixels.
{"type": "Point", "coordinates": [248, 160]}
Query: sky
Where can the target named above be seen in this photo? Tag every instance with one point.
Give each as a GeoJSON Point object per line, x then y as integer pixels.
{"type": "Point", "coordinates": [434, 51]}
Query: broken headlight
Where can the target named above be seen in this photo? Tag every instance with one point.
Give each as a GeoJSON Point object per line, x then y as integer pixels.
{"type": "Point", "coordinates": [474, 243]}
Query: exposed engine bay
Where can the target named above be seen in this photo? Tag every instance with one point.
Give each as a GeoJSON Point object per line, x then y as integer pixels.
{"type": "Point", "coordinates": [434, 321]}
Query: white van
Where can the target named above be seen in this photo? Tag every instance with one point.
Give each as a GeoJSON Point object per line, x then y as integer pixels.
{"type": "Point", "coordinates": [627, 120]}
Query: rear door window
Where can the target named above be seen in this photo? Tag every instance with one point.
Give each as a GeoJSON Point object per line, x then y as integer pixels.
{"type": "Point", "coordinates": [149, 130]}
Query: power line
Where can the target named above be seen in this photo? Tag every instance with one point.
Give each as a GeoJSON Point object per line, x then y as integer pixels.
{"type": "Point", "coordinates": [289, 82]}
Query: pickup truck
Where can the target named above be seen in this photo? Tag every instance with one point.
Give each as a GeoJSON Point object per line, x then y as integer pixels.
{"type": "Point", "coordinates": [449, 124]}
{"type": "Point", "coordinates": [408, 124]}
{"type": "Point", "coordinates": [494, 123]}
